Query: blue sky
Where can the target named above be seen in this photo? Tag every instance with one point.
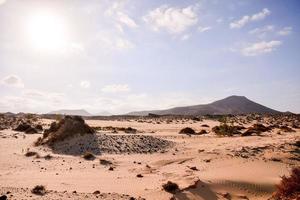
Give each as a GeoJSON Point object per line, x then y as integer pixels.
{"type": "Point", "coordinates": [126, 55]}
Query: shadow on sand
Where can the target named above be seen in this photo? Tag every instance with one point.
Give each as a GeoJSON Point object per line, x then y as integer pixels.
{"type": "Point", "coordinates": [199, 191]}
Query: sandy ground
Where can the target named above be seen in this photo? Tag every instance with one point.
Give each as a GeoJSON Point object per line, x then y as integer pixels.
{"type": "Point", "coordinates": [227, 167]}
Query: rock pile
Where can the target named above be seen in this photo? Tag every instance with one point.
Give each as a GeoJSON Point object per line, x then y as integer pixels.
{"type": "Point", "coordinates": [67, 127]}
{"type": "Point", "coordinates": [112, 144]}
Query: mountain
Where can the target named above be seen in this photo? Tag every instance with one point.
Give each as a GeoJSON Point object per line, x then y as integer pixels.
{"type": "Point", "coordinates": [229, 105]}
{"type": "Point", "coordinates": [71, 112]}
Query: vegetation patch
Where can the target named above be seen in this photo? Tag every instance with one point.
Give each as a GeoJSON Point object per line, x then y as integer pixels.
{"type": "Point", "coordinates": [170, 187]}
{"type": "Point", "coordinates": [88, 156]}
{"type": "Point", "coordinates": [226, 130]}
{"type": "Point", "coordinates": [188, 131]}
{"type": "Point", "coordinates": [289, 187]}
{"type": "Point", "coordinates": [39, 190]}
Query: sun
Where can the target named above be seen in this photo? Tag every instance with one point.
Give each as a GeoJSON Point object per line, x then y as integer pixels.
{"type": "Point", "coordinates": [46, 31]}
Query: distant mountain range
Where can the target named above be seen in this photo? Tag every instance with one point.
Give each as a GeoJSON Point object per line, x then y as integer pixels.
{"type": "Point", "coordinates": [229, 105]}
{"type": "Point", "coordinates": [80, 112]}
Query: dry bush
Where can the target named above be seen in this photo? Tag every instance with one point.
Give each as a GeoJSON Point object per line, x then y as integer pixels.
{"type": "Point", "coordinates": [170, 187]}
{"type": "Point", "coordinates": [202, 132]}
{"type": "Point", "coordinates": [256, 129]}
{"type": "Point", "coordinates": [105, 162]}
{"type": "Point", "coordinates": [116, 129]}
{"type": "Point", "coordinates": [88, 156]}
{"type": "Point", "coordinates": [187, 130]}
{"type": "Point", "coordinates": [48, 157]}
{"type": "Point", "coordinates": [286, 129]}
{"type": "Point", "coordinates": [39, 190]}
{"type": "Point", "coordinates": [289, 187]}
{"type": "Point", "coordinates": [31, 153]}
{"type": "Point", "coordinates": [226, 130]}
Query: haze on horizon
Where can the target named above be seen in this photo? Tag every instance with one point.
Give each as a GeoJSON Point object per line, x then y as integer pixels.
{"type": "Point", "coordinates": [128, 55]}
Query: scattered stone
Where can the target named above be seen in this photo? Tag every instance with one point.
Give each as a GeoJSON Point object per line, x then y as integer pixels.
{"type": "Point", "coordinates": [139, 176]}
{"type": "Point", "coordinates": [111, 168]}
{"type": "Point", "coordinates": [194, 168]}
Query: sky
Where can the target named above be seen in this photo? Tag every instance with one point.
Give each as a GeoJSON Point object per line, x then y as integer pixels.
{"type": "Point", "coordinates": [127, 55]}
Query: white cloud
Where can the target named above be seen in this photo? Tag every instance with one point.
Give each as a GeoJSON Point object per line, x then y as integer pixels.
{"type": "Point", "coordinates": [115, 88]}
{"type": "Point", "coordinates": [185, 37]}
{"type": "Point", "coordinates": [260, 48]}
{"type": "Point", "coordinates": [172, 19]}
{"type": "Point", "coordinates": [261, 15]}
{"type": "Point", "coordinates": [13, 81]}
{"type": "Point", "coordinates": [117, 12]}
{"type": "Point", "coordinates": [125, 19]}
{"type": "Point", "coordinates": [285, 31]}
{"type": "Point", "coordinates": [261, 32]}
{"type": "Point", "coordinates": [32, 101]}
{"type": "Point", "coordinates": [204, 29]}
{"type": "Point", "coordinates": [246, 19]}
{"type": "Point", "coordinates": [85, 84]}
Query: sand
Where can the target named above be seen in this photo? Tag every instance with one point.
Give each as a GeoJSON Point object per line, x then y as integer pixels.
{"type": "Point", "coordinates": [222, 167]}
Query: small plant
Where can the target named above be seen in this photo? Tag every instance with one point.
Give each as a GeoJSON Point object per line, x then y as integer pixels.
{"type": "Point", "coordinates": [105, 162]}
{"type": "Point", "coordinates": [58, 117]}
{"type": "Point", "coordinates": [170, 187]}
{"type": "Point", "coordinates": [225, 130]}
{"type": "Point", "coordinates": [31, 153]}
{"type": "Point", "coordinates": [48, 157]}
{"type": "Point", "coordinates": [188, 131]}
{"type": "Point", "coordinates": [39, 190]}
{"type": "Point", "coordinates": [88, 156]}
{"type": "Point", "coordinates": [289, 187]}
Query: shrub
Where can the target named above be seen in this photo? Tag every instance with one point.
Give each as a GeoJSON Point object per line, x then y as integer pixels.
{"type": "Point", "coordinates": [170, 187]}
{"type": "Point", "coordinates": [225, 130]}
{"type": "Point", "coordinates": [204, 125]}
{"type": "Point", "coordinates": [289, 187]}
{"type": "Point", "coordinates": [202, 132]}
{"type": "Point", "coordinates": [256, 129]}
{"type": "Point", "coordinates": [48, 157]}
{"type": "Point", "coordinates": [31, 153]}
{"type": "Point", "coordinates": [39, 190]}
{"type": "Point", "coordinates": [187, 130]}
{"type": "Point", "coordinates": [88, 156]}
{"type": "Point", "coordinates": [105, 162]}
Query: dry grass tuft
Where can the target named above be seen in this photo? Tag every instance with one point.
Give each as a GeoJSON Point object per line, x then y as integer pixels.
{"type": "Point", "coordinates": [31, 153]}
{"type": "Point", "coordinates": [170, 187]}
{"type": "Point", "coordinates": [289, 187]}
{"type": "Point", "coordinates": [188, 131]}
{"type": "Point", "coordinates": [226, 130]}
{"type": "Point", "coordinates": [39, 190]}
{"type": "Point", "coordinates": [88, 156]}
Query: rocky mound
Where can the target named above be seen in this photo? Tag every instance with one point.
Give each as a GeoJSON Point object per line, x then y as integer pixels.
{"type": "Point", "coordinates": [68, 127]}
{"type": "Point", "coordinates": [113, 144]}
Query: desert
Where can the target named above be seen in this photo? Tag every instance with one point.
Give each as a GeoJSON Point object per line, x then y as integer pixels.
{"type": "Point", "coordinates": [109, 163]}
{"type": "Point", "coordinates": [149, 100]}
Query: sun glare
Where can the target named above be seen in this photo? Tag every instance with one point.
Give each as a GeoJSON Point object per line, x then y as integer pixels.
{"type": "Point", "coordinates": [46, 32]}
